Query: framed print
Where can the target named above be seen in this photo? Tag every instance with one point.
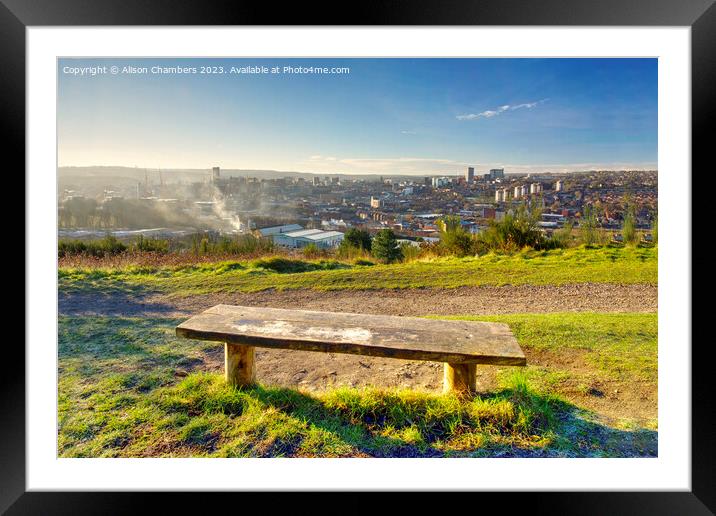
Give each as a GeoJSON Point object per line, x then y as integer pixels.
{"type": "Point", "coordinates": [416, 253]}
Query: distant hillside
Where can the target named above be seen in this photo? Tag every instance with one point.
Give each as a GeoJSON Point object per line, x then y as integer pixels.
{"type": "Point", "coordinates": [117, 174]}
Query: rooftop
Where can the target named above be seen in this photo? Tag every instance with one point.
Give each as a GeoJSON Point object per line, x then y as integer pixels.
{"type": "Point", "coordinates": [304, 233]}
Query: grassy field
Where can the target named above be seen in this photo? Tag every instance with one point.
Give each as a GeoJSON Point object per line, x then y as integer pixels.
{"type": "Point", "coordinates": [557, 267]}
{"type": "Point", "coordinates": [129, 388]}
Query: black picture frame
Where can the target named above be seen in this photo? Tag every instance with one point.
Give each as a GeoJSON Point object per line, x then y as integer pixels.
{"type": "Point", "coordinates": [17, 15]}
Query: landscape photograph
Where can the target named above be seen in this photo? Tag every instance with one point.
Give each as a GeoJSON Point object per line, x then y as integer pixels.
{"type": "Point", "coordinates": [357, 257]}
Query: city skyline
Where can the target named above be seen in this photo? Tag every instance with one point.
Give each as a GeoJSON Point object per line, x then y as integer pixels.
{"type": "Point", "coordinates": [386, 116]}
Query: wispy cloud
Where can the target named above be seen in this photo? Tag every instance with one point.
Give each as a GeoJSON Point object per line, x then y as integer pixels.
{"type": "Point", "coordinates": [498, 111]}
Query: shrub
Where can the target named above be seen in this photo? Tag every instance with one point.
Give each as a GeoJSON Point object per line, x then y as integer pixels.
{"type": "Point", "coordinates": [313, 251]}
{"type": "Point", "coordinates": [460, 243]}
{"type": "Point", "coordinates": [108, 246]}
{"type": "Point", "coordinates": [349, 252]}
{"type": "Point", "coordinates": [515, 231]}
{"type": "Point", "coordinates": [453, 238]}
{"type": "Point", "coordinates": [150, 245]}
{"type": "Point", "coordinates": [560, 238]}
{"type": "Point", "coordinates": [410, 252]}
{"type": "Point", "coordinates": [247, 244]}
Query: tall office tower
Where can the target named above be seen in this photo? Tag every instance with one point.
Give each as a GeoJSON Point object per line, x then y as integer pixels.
{"type": "Point", "coordinates": [215, 174]}
{"type": "Point", "coordinates": [470, 174]}
{"type": "Point", "coordinates": [497, 173]}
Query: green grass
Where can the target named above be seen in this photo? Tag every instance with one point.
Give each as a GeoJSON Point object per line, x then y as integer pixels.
{"type": "Point", "coordinates": [615, 346]}
{"type": "Point", "coordinates": [623, 265]}
{"type": "Point", "coordinates": [129, 388]}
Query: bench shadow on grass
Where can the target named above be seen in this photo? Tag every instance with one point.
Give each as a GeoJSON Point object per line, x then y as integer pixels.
{"type": "Point", "coordinates": [575, 435]}
{"type": "Point", "coordinates": [99, 347]}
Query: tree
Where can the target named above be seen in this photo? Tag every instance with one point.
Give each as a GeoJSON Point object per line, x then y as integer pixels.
{"type": "Point", "coordinates": [358, 238]}
{"type": "Point", "coordinates": [385, 246]}
{"type": "Point", "coordinates": [655, 229]}
{"type": "Point", "coordinates": [589, 226]}
{"type": "Point", "coordinates": [449, 224]}
{"type": "Point", "coordinates": [629, 234]}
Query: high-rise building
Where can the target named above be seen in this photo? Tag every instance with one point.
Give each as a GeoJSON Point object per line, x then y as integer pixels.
{"type": "Point", "coordinates": [559, 186]}
{"type": "Point", "coordinates": [215, 174]}
{"type": "Point", "coordinates": [497, 173]}
{"type": "Point", "coordinates": [440, 182]}
{"type": "Point", "coordinates": [470, 174]}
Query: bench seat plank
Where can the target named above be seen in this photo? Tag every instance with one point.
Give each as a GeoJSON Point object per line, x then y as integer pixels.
{"type": "Point", "coordinates": [410, 338]}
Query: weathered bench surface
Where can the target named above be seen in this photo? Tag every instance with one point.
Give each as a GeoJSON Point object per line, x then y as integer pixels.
{"type": "Point", "coordinates": [411, 338]}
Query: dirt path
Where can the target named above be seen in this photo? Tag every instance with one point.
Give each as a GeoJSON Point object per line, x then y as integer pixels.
{"type": "Point", "coordinates": [414, 302]}
{"type": "Point", "coordinates": [318, 371]}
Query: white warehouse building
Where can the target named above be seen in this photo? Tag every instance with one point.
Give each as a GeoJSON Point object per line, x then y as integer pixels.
{"type": "Point", "coordinates": [274, 230]}
{"type": "Point", "coordinates": [304, 237]}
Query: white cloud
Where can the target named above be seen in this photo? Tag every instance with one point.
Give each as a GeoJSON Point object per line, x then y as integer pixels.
{"type": "Point", "coordinates": [494, 112]}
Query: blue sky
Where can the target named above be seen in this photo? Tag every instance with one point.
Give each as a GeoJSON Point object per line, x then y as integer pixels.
{"type": "Point", "coordinates": [387, 116]}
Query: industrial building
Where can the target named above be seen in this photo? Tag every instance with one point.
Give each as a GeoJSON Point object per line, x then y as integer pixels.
{"type": "Point", "coordinates": [304, 237]}
{"type": "Point", "coordinates": [274, 230]}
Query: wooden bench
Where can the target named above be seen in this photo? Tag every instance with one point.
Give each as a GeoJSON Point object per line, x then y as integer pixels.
{"type": "Point", "coordinates": [460, 344]}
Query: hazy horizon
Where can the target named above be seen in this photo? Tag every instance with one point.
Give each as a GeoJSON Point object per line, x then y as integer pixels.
{"type": "Point", "coordinates": [277, 171]}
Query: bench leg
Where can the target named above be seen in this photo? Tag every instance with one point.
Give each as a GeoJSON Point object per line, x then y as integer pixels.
{"type": "Point", "coordinates": [460, 378]}
{"type": "Point", "coordinates": [239, 364]}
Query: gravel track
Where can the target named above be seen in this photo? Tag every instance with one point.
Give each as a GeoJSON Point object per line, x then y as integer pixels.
{"type": "Point", "coordinates": [596, 297]}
